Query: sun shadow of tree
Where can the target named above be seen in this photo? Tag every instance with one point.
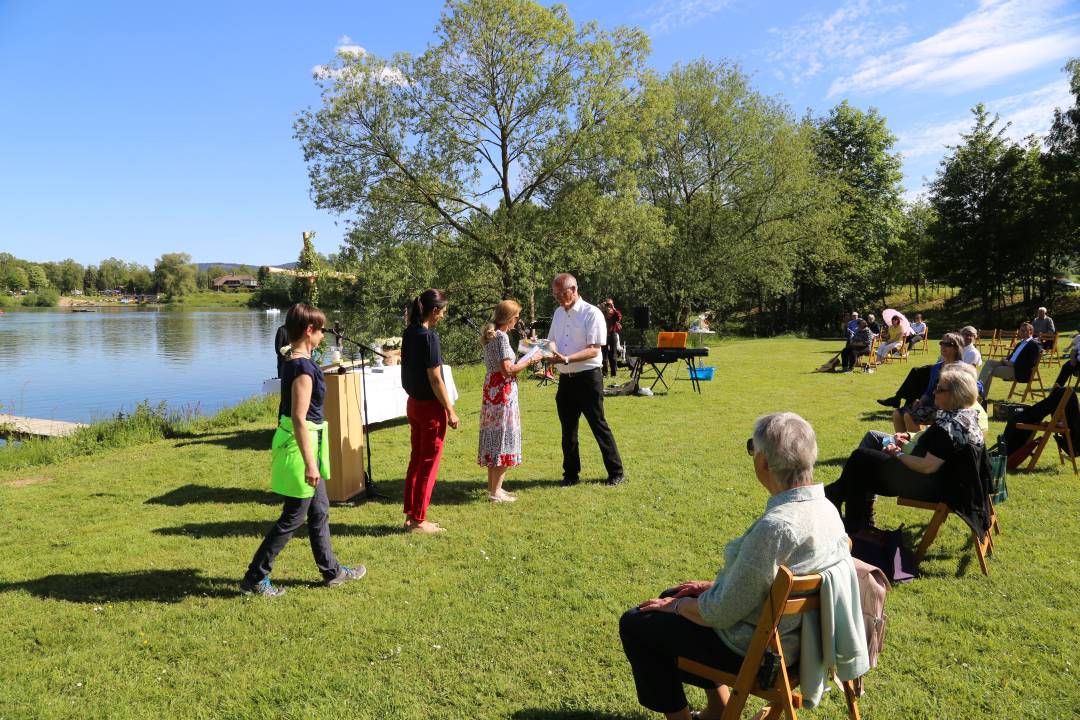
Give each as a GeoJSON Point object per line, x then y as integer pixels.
{"type": "Point", "coordinates": [192, 494]}
{"type": "Point", "coordinates": [253, 528]}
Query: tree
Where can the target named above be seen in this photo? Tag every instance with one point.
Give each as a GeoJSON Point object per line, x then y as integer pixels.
{"type": "Point", "coordinates": [306, 289]}
{"type": "Point", "coordinates": [174, 274]}
{"type": "Point", "coordinates": [139, 278]}
{"type": "Point", "coordinates": [1059, 206]}
{"type": "Point", "coordinates": [981, 202]}
{"type": "Point", "coordinates": [66, 275]}
{"type": "Point", "coordinates": [455, 146]}
{"type": "Point", "coordinates": [13, 277]}
{"type": "Point", "coordinates": [38, 279]}
{"type": "Point", "coordinates": [112, 274]}
{"type": "Point", "coordinates": [89, 283]}
{"type": "Point", "coordinates": [736, 179]}
{"type": "Point", "coordinates": [856, 150]}
{"type": "Point", "coordinates": [912, 261]}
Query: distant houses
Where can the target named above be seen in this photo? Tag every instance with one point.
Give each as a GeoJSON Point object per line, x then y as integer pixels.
{"type": "Point", "coordinates": [230, 282]}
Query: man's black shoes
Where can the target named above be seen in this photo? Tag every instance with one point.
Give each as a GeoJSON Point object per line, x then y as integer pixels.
{"type": "Point", "coordinates": [615, 480]}
{"type": "Point", "coordinates": [893, 402]}
{"type": "Point", "coordinates": [568, 481]}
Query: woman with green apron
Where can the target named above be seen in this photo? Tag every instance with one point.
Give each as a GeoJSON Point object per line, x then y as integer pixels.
{"type": "Point", "coordinates": [300, 461]}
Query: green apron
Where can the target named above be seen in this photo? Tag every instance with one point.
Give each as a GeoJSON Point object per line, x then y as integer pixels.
{"type": "Point", "coordinates": [287, 462]}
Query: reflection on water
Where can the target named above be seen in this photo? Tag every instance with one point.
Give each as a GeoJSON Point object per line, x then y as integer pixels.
{"type": "Point", "coordinates": [85, 366]}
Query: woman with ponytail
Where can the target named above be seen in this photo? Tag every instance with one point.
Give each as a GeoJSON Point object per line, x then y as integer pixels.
{"type": "Point", "coordinates": [500, 418]}
{"type": "Point", "coordinates": [429, 407]}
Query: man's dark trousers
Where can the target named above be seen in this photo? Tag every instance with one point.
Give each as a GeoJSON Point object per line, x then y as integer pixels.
{"type": "Point", "coordinates": [578, 394]}
{"type": "Point", "coordinates": [316, 510]}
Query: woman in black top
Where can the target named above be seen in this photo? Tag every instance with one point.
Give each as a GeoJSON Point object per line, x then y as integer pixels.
{"type": "Point", "coordinates": [429, 407]}
{"type": "Point", "coordinates": [299, 461]}
{"type": "Point", "coordinates": [919, 475]}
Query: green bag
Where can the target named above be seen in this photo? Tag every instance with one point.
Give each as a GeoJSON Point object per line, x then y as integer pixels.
{"type": "Point", "coordinates": [287, 462]}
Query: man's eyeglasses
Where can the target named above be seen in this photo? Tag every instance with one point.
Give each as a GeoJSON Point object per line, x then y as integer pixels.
{"type": "Point", "coordinates": [749, 446]}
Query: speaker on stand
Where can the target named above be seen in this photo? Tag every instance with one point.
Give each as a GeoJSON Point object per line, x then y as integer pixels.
{"type": "Point", "coordinates": [642, 320]}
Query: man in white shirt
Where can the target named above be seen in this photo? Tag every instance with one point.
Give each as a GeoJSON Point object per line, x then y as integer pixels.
{"type": "Point", "coordinates": [918, 331]}
{"type": "Point", "coordinates": [969, 353]}
{"type": "Point", "coordinates": [1020, 363]}
{"type": "Point", "coordinates": [578, 331]}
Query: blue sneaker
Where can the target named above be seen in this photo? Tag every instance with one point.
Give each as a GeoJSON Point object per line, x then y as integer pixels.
{"type": "Point", "coordinates": [262, 588]}
{"type": "Point", "coordinates": [346, 574]}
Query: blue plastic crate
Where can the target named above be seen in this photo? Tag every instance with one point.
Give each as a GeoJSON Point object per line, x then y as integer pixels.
{"type": "Point", "coordinates": [701, 373]}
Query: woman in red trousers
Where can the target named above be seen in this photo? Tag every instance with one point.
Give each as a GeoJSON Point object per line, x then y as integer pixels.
{"type": "Point", "coordinates": [429, 408]}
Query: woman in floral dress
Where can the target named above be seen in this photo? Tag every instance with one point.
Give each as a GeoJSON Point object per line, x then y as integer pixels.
{"type": "Point", "coordinates": [500, 419]}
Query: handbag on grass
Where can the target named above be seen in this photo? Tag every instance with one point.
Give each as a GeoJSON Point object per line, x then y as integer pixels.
{"type": "Point", "coordinates": [884, 549]}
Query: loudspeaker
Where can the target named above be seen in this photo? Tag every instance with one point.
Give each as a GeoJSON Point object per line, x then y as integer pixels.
{"type": "Point", "coordinates": [642, 317]}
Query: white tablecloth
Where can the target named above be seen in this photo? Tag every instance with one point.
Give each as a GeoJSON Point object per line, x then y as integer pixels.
{"type": "Point", "coordinates": [385, 397]}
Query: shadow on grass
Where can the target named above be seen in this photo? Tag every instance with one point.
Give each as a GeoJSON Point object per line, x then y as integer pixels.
{"type": "Point", "coordinates": [834, 462]}
{"type": "Point", "coordinates": [462, 492]}
{"type": "Point", "coordinates": [238, 440]}
{"type": "Point", "coordinates": [876, 415]}
{"type": "Point", "coordinates": [258, 529]}
{"type": "Point", "coordinates": [193, 494]}
{"type": "Point", "coordinates": [164, 586]}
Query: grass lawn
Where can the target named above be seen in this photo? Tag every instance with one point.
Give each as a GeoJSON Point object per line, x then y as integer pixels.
{"type": "Point", "coordinates": [118, 577]}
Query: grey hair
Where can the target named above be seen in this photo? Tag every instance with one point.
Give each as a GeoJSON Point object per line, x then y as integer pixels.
{"type": "Point", "coordinates": [1041, 310]}
{"type": "Point", "coordinates": [959, 383]}
{"type": "Point", "coordinates": [789, 445]}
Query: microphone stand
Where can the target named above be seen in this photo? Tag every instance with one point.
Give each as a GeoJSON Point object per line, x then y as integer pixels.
{"type": "Point", "coordinates": [370, 491]}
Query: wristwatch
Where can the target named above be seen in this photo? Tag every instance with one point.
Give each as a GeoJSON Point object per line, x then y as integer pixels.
{"type": "Point", "coordinates": [565, 360]}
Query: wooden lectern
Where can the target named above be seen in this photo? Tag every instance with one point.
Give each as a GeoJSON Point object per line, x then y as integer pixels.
{"type": "Point", "coordinates": [343, 409]}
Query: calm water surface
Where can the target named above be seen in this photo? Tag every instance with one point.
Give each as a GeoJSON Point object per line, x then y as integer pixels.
{"type": "Point", "coordinates": [88, 366]}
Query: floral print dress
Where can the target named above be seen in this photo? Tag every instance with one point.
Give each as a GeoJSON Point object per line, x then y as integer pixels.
{"type": "Point", "coordinates": [500, 418]}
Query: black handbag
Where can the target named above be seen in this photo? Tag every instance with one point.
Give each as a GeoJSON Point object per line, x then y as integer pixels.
{"type": "Point", "coordinates": [884, 549]}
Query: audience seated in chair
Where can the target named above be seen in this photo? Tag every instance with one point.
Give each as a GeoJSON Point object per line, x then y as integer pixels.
{"type": "Point", "coordinates": [852, 325]}
{"type": "Point", "coordinates": [893, 339]}
{"type": "Point", "coordinates": [918, 332]}
{"type": "Point", "coordinates": [946, 464]}
{"type": "Point", "coordinates": [873, 324]}
{"type": "Point", "coordinates": [713, 622]}
{"type": "Point", "coordinates": [1071, 367]}
{"type": "Point", "coordinates": [1019, 365]}
{"type": "Point", "coordinates": [921, 412]}
{"type": "Point", "coordinates": [970, 353]}
{"type": "Point", "coordinates": [858, 344]}
{"type": "Point", "coordinates": [1042, 324]}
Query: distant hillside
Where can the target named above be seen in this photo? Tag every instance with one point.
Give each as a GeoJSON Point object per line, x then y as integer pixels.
{"type": "Point", "coordinates": [203, 267]}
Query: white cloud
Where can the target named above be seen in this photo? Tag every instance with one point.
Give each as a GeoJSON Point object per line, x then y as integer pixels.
{"type": "Point", "coordinates": [849, 34]}
{"type": "Point", "coordinates": [999, 39]}
{"type": "Point", "coordinates": [1029, 113]}
{"type": "Point", "coordinates": [670, 14]}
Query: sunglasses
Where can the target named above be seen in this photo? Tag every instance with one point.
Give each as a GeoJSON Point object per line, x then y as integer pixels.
{"type": "Point", "coordinates": [949, 344]}
{"type": "Point", "coordinates": [749, 446]}
{"type": "Point", "coordinates": [940, 389]}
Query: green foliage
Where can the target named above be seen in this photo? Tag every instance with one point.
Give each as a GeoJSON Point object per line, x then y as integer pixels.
{"type": "Point", "coordinates": [66, 275]}
{"type": "Point", "coordinates": [49, 297]}
{"type": "Point", "coordinates": [306, 289]}
{"type": "Point", "coordinates": [174, 274]}
{"type": "Point", "coordinates": [454, 147]}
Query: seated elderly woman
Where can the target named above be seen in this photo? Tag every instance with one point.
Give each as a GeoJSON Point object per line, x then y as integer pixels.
{"type": "Point", "coordinates": [713, 621]}
{"type": "Point", "coordinates": [921, 412]}
{"type": "Point", "coordinates": [892, 339]}
{"type": "Point", "coordinates": [858, 344]}
{"type": "Point", "coordinates": [918, 475]}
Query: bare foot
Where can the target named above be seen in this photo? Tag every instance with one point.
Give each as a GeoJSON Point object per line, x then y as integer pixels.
{"type": "Point", "coordinates": [423, 528]}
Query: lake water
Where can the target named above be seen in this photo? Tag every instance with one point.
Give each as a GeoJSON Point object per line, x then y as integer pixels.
{"type": "Point", "coordinates": [87, 366]}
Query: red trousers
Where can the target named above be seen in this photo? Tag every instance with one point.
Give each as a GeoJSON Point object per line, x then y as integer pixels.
{"type": "Point", "coordinates": [427, 419]}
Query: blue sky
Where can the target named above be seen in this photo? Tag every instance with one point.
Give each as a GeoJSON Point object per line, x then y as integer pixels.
{"type": "Point", "coordinates": [131, 129]}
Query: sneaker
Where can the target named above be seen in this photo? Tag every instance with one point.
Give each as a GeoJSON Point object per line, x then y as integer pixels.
{"type": "Point", "coordinates": [568, 481]}
{"type": "Point", "coordinates": [615, 479]}
{"type": "Point", "coordinates": [502, 498]}
{"type": "Point", "coordinates": [262, 588]}
{"type": "Point", "coordinates": [346, 574]}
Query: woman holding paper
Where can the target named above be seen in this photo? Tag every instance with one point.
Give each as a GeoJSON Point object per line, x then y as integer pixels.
{"type": "Point", "coordinates": [500, 418]}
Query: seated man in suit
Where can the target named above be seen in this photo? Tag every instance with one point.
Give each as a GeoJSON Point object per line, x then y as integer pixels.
{"type": "Point", "coordinates": [1018, 366]}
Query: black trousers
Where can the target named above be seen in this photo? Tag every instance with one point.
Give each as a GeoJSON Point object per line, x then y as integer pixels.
{"type": "Point", "coordinates": [583, 394]}
{"type": "Point", "coordinates": [871, 472]}
{"type": "Point", "coordinates": [316, 510]}
{"type": "Point", "coordinates": [610, 354]}
{"type": "Point", "coordinates": [653, 640]}
{"type": "Point", "coordinates": [1068, 369]}
{"type": "Point", "coordinates": [850, 355]}
{"type": "Point", "coordinates": [914, 384]}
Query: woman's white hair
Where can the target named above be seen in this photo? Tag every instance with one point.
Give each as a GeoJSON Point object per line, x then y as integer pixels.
{"type": "Point", "coordinates": [958, 380]}
{"type": "Point", "coordinates": [789, 445]}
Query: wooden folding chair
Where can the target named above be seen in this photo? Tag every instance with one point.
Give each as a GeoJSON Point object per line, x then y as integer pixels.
{"type": "Point", "coordinates": [898, 355]}
{"type": "Point", "coordinates": [941, 514]}
{"type": "Point", "coordinates": [1028, 389]}
{"type": "Point", "coordinates": [1049, 342]}
{"type": "Point", "coordinates": [871, 359]}
{"type": "Point", "coordinates": [781, 696]}
{"type": "Point", "coordinates": [1056, 425]}
{"type": "Point", "coordinates": [923, 346]}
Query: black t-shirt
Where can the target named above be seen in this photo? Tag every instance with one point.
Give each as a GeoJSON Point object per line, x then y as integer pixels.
{"type": "Point", "coordinates": [420, 350]}
{"type": "Point", "coordinates": [292, 369]}
{"type": "Point", "coordinates": [935, 441]}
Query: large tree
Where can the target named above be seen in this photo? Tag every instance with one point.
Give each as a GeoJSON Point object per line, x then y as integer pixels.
{"type": "Point", "coordinates": [456, 146]}
{"type": "Point", "coordinates": [980, 196]}
{"type": "Point", "coordinates": [856, 149]}
{"type": "Point", "coordinates": [1059, 209]}
{"type": "Point", "coordinates": [174, 274]}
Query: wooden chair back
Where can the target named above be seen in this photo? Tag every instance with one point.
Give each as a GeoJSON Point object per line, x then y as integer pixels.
{"type": "Point", "coordinates": [1056, 425]}
{"type": "Point", "coordinates": [789, 595]}
{"type": "Point", "coordinates": [671, 339]}
{"type": "Point", "coordinates": [923, 346]}
{"type": "Point", "coordinates": [1049, 342]}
